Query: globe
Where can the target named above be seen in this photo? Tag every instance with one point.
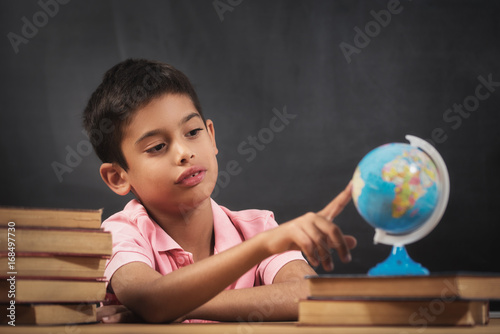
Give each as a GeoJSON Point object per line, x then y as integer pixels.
{"type": "Point", "coordinates": [395, 187]}
{"type": "Point", "coordinates": [401, 190]}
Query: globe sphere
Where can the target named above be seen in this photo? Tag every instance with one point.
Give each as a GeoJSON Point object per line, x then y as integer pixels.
{"type": "Point", "coordinates": [396, 188]}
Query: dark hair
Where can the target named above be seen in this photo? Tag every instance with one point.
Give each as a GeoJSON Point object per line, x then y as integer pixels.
{"type": "Point", "coordinates": [125, 88]}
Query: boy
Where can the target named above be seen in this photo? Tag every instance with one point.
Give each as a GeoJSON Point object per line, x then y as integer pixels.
{"type": "Point", "coordinates": [178, 255]}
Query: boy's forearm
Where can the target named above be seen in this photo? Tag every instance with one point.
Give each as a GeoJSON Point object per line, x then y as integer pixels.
{"type": "Point", "coordinates": [174, 295]}
{"type": "Point", "coordinates": [275, 302]}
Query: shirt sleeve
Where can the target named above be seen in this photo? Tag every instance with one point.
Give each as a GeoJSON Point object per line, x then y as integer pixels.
{"type": "Point", "coordinates": [129, 245]}
{"type": "Point", "coordinates": [267, 269]}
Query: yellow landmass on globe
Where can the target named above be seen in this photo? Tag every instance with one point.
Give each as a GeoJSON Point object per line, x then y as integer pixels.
{"type": "Point", "coordinates": [357, 185]}
{"type": "Point", "coordinates": [410, 182]}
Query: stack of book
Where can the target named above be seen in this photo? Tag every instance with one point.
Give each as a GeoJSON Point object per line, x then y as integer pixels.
{"type": "Point", "coordinates": [421, 301]}
{"type": "Point", "coordinates": [52, 265]}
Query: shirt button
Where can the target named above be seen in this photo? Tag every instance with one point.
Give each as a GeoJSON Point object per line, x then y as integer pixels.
{"type": "Point", "coordinates": [181, 261]}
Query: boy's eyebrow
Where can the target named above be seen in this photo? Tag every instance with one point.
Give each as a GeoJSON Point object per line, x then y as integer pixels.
{"type": "Point", "coordinates": [148, 134]}
{"type": "Point", "coordinates": [158, 131]}
{"type": "Point", "coordinates": [189, 117]}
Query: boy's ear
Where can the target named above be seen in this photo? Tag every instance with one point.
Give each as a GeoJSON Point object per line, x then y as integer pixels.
{"type": "Point", "coordinates": [115, 177]}
{"type": "Point", "coordinates": [211, 133]}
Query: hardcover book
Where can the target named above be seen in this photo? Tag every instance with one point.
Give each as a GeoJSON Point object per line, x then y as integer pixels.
{"type": "Point", "coordinates": [446, 285]}
{"type": "Point", "coordinates": [51, 290]}
{"type": "Point", "coordinates": [65, 218]}
{"type": "Point", "coordinates": [57, 240]}
{"type": "Point", "coordinates": [402, 312]}
{"type": "Point", "coordinates": [54, 265]}
{"type": "Point", "coordinates": [50, 314]}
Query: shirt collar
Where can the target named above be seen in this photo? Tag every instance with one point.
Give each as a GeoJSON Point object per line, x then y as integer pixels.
{"type": "Point", "coordinates": [226, 234]}
{"type": "Point", "coordinates": [160, 240]}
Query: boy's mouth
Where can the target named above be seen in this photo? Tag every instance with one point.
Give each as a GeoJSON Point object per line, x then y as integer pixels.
{"type": "Point", "coordinates": [191, 176]}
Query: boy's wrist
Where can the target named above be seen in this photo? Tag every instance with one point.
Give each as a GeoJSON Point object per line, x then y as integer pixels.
{"type": "Point", "coordinates": [270, 243]}
{"type": "Point", "coordinates": [263, 245]}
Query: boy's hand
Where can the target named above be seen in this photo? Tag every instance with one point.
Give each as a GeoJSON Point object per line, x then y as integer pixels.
{"type": "Point", "coordinates": [116, 313]}
{"type": "Point", "coordinates": [315, 234]}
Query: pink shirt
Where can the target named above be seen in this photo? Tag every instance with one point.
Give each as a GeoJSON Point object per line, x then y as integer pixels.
{"type": "Point", "coordinates": [137, 238]}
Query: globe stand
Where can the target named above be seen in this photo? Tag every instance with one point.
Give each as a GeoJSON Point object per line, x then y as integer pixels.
{"type": "Point", "coordinates": [398, 263]}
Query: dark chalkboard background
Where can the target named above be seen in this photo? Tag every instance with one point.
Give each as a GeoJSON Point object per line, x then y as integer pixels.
{"type": "Point", "coordinates": [248, 58]}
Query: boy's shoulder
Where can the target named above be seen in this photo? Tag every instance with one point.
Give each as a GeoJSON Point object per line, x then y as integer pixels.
{"type": "Point", "coordinates": [249, 222]}
{"type": "Point", "coordinates": [131, 214]}
{"type": "Point", "coordinates": [247, 215]}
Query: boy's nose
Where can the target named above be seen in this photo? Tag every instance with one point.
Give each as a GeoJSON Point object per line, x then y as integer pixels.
{"type": "Point", "coordinates": [184, 154]}
{"type": "Point", "coordinates": [186, 159]}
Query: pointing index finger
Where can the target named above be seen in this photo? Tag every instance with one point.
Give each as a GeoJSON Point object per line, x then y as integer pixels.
{"type": "Point", "coordinates": [332, 209]}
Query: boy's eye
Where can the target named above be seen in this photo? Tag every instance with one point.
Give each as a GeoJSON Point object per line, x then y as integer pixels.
{"type": "Point", "coordinates": [155, 148]}
{"type": "Point", "coordinates": [194, 132]}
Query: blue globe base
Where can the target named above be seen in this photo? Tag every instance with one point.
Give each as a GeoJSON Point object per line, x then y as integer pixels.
{"type": "Point", "coordinates": [397, 264]}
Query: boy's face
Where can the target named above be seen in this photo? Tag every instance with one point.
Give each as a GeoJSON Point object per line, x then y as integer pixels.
{"type": "Point", "coordinates": [171, 155]}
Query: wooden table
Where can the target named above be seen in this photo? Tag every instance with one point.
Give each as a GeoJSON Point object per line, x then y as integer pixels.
{"type": "Point", "coordinates": [243, 328]}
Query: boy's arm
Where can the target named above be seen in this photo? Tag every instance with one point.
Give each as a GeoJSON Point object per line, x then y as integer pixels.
{"type": "Point", "coordinates": [158, 298]}
{"type": "Point", "coordinates": [274, 302]}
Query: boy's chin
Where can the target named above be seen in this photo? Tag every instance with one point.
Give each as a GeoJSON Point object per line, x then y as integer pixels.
{"type": "Point", "coordinates": [196, 199]}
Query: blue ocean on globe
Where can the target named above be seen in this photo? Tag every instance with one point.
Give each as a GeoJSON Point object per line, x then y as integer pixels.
{"type": "Point", "coordinates": [395, 188]}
